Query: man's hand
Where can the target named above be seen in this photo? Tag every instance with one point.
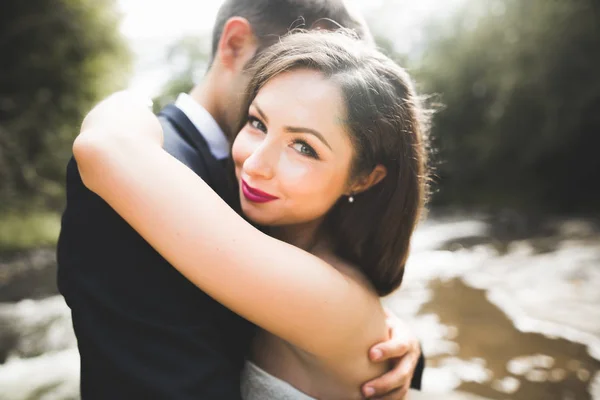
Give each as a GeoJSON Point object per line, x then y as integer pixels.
{"type": "Point", "coordinates": [402, 350]}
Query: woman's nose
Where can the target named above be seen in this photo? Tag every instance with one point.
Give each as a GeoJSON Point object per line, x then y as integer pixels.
{"type": "Point", "coordinates": [261, 163]}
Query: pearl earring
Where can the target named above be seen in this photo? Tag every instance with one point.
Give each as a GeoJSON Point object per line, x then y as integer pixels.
{"type": "Point", "coordinates": [350, 199]}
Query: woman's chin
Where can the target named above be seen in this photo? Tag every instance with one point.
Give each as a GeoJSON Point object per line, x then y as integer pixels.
{"type": "Point", "coordinates": [257, 216]}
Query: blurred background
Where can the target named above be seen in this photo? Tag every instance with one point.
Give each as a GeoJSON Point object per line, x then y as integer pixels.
{"type": "Point", "coordinates": [503, 284]}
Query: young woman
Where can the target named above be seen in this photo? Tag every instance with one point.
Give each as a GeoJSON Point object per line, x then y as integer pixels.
{"type": "Point", "coordinates": [332, 161]}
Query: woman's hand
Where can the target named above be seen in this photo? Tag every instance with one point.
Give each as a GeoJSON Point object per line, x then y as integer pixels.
{"type": "Point", "coordinates": [124, 115]}
{"type": "Point", "coordinates": [115, 131]}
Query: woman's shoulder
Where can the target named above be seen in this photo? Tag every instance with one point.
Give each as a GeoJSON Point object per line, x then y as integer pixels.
{"type": "Point", "coordinates": [347, 268]}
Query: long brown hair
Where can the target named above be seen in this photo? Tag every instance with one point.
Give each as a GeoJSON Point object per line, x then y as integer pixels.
{"type": "Point", "coordinates": [385, 123]}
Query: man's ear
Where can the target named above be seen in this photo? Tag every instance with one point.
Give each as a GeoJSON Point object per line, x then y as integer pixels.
{"type": "Point", "coordinates": [366, 182]}
{"type": "Point", "coordinates": [237, 45]}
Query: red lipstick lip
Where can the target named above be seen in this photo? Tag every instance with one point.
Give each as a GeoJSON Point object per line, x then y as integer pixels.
{"type": "Point", "coordinates": [255, 195]}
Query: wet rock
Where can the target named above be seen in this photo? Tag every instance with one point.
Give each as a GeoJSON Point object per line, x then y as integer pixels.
{"type": "Point", "coordinates": [508, 385]}
{"type": "Point", "coordinates": [33, 327]}
{"type": "Point", "coordinates": [28, 275]}
{"type": "Point", "coordinates": [414, 395]}
{"type": "Point", "coordinates": [578, 229]}
{"type": "Point", "coordinates": [595, 386]}
{"type": "Point", "coordinates": [52, 376]}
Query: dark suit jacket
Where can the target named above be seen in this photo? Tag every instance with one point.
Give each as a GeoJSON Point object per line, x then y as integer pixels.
{"type": "Point", "coordinates": [143, 330]}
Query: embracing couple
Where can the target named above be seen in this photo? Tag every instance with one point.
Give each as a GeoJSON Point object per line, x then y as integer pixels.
{"type": "Point", "coordinates": [237, 245]}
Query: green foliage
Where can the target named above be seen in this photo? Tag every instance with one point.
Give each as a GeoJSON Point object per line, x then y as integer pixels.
{"type": "Point", "coordinates": [518, 79]}
{"type": "Point", "coordinates": [520, 84]}
{"type": "Point", "coordinates": [21, 231]}
{"type": "Point", "coordinates": [189, 54]}
{"type": "Point", "coordinates": [59, 58]}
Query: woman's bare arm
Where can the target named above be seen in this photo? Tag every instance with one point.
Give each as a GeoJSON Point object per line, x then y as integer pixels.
{"type": "Point", "coordinates": [279, 287]}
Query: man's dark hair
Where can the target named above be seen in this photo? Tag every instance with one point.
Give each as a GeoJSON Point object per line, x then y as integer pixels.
{"type": "Point", "coordinates": [271, 19]}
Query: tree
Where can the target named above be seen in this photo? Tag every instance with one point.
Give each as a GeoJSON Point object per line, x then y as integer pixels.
{"type": "Point", "coordinates": [59, 58]}
{"type": "Point", "coordinates": [190, 58]}
{"type": "Point", "coordinates": [521, 89]}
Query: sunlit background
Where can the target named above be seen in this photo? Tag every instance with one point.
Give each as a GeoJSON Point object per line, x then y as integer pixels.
{"type": "Point", "coordinates": [502, 286]}
{"type": "Point", "coordinates": [150, 31]}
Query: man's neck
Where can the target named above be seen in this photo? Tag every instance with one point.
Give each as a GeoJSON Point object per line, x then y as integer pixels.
{"type": "Point", "coordinates": [204, 95]}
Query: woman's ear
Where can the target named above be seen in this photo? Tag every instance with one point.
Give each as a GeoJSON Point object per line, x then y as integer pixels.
{"type": "Point", "coordinates": [237, 45]}
{"type": "Point", "coordinates": [366, 182]}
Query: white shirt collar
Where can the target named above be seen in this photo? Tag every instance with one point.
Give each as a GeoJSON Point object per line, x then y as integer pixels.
{"type": "Point", "coordinates": [206, 124]}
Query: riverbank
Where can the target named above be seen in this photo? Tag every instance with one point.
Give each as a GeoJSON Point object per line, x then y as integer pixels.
{"type": "Point", "coordinates": [506, 318]}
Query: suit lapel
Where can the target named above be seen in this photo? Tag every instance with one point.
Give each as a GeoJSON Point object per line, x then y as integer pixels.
{"type": "Point", "coordinates": [217, 173]}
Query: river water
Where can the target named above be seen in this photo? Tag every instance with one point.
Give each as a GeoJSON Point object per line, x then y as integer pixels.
{"type": "Point", "coordinates": [507, 308]}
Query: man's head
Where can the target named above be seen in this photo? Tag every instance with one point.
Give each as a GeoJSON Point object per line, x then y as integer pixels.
{"type": "Point", "coordinates": [244, 28]}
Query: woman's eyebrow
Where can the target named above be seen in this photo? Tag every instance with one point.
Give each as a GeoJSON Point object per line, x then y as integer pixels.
{"type": "Point", "coordinates": [294, 129]}
{"type": "Point", "coordinates": [262, 114]}
{"type": "Point", "coordinates": [298, 129]}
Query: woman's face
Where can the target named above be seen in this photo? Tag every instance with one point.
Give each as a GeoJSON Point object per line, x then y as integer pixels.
{"type": "Point", "coordinates": [293, 156]}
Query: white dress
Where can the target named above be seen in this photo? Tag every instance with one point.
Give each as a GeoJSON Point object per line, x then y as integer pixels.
{"type": "Point", "coordinates": [257, 384]}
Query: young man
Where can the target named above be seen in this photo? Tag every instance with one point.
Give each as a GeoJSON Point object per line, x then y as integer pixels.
{"type": "Point", "coordinates": [161, 337]}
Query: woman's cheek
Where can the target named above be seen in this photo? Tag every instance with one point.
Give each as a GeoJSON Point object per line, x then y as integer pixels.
{"type": "Point", "coordinates": [241, 148]}
{"type": "Point", "coordinates": [292, 168]}
{"type": "Point", "coordinates": [300, 176]}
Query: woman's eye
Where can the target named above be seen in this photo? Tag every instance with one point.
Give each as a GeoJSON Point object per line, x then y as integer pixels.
{"type": "Point", "coordinates": [256, 124]}
{"type": "Point", "coordinates": [304, 149]}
